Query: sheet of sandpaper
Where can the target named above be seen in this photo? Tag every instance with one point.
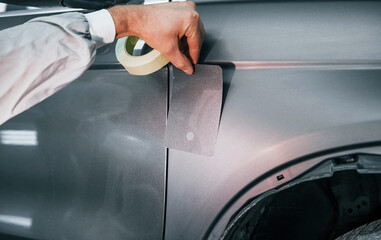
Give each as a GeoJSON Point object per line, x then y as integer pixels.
{"type": "Point", "coordinates": [194, 110]}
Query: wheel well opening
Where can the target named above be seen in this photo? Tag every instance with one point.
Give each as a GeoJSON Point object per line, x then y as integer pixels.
{"type": "Point", "coordinates": [323, 208]}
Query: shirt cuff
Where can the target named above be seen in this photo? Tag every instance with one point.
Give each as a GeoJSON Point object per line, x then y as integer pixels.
{"type": "Point", "coordinates": [102, 27]}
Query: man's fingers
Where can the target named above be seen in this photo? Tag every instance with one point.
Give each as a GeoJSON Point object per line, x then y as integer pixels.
{"type": "Point", "coordinates": [181, 61]}
{"type": "Point", "coordinates": [195, 37]}
{"type": "Point", "coordinates": [190, 4]}
{"type": "Point", "coordinates": [194, 44]}
{"type": "Point", "coordinates": [181, 22]}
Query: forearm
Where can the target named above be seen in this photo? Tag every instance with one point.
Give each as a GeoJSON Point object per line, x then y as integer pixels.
{"type": "Point", "coordinates": [40, 57]}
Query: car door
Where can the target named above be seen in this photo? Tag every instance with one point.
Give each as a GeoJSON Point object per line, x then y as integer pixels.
{"type": "Point", "coordinates": [88, 162]}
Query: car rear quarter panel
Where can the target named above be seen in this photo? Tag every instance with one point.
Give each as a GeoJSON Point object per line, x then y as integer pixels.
{"type": "Point", "coordinates": [299, 78]}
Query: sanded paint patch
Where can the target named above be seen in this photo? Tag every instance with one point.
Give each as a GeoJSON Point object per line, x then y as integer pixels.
{"type": "Point", "coordinates": [194, 110]}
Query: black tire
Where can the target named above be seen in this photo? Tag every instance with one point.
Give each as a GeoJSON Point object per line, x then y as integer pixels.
{"type": "Point", "coordinates": [368, 231]}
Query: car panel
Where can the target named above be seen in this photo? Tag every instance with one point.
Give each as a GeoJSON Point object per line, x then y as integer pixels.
{"type": "Point", "coordinates": [291, 30]}
{"type": "Point", "coordinates": [299, 78]}
{"type": "Point", "coordinates": [88, 162]}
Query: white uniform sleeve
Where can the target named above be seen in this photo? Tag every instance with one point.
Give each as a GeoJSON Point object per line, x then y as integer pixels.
{"type": "Point", "coordinates": [102, 27]}
{"type": "Point", "coordinates": [40, 57]}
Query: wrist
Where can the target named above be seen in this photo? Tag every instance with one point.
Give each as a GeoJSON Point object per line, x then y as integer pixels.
{"type": "Point", "coordinates": [125, 20]}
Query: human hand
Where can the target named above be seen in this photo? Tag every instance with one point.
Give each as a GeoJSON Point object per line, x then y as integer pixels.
{"type": "Point", "coordinates": [174, 29]}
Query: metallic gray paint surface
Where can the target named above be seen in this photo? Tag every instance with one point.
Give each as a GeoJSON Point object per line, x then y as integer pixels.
{"type": "Point", "coordinates": [292, 30]}
{"type": "Point", "coordinates": [98, 162]}
{"type": "Point", "coordinates": [89, 162]}
{"type": "Point", "coordinates": [283, 115]}
{"type": "Point", "coordinates": [272, 116]}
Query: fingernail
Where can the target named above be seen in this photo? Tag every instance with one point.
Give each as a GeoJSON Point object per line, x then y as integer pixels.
{"type": "Point", "coordinates": [188, 71]}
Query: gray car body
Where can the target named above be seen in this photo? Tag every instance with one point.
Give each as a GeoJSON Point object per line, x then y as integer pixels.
{"type": "Point", "coordinates": [301, 84]}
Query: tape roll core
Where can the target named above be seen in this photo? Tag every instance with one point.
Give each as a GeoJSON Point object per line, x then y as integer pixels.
{"type": "Point", "coordinates": [138, 65]}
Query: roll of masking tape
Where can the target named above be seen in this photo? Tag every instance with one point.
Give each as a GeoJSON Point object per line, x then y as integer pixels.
{"type": "Point", "coordinates": [138, 65]}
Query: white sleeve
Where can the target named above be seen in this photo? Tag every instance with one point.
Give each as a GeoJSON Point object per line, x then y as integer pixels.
{"type": "Point", "coordinates": [102, 27]}
{"type": "Point", "coordinates": [40, 57]}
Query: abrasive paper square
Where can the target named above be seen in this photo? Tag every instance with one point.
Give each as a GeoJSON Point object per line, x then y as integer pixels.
{"type": "Point", "coordinates": [194, 110]}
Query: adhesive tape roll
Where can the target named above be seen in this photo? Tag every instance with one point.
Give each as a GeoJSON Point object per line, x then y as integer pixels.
{"type": "Point", "coordinates": [138, 65]}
